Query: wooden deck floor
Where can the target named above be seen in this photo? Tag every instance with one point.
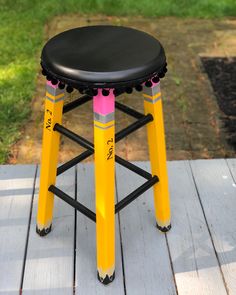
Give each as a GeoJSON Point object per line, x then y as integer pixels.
{"type": "Point", "coordinates": [198, 256]}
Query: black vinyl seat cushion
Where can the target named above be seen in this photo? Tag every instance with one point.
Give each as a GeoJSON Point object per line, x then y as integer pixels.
{"type": "Point", "coordinates": [103, 56]}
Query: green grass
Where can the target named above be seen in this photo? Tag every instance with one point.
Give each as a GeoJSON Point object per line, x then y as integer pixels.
{"type": "Point", "coordinates": [21, 37]}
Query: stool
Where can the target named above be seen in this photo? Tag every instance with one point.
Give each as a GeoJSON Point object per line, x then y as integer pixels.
{"type": "Point", "coordinates": [103, 62]}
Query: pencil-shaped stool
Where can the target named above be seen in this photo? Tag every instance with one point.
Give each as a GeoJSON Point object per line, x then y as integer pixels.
{"type": "Point", "coordinates": [103, 62]}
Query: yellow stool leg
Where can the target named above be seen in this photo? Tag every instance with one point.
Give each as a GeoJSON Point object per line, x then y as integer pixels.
{"type": "Point", "coordinates": [52, 115]}
{"type": "Point", "coordinates": [157, 152]}
{"type": "Point", "coordinates": [104, 145]}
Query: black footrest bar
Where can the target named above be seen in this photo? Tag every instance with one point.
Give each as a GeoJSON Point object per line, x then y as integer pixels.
{"type": "Point", "coordinates": [133, 168]}
{"type": "Point", "coordinates": [141, 121]}
{"type": "Point", "coordinates": [119, 135]}
{"type": "Point", "coordinates": [119, 206]}
{"type": "Point", "coordinates": [133, 127]}
{"type": "Point", "coordinates": [78, 206]}
{"type": "Point", "coordinates": [73, 162]}
{"type": "Point", "coordinates": [136, 193]}
{"type": "Point", "coordinates": [73, 136]}
{"type": "Point", "coordinates": [129, 111]}
{"type": "Point", "coordinates": [76, 103]}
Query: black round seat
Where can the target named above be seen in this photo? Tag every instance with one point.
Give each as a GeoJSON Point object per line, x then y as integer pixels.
{"type": "Point", "coordinates": [103, 57]}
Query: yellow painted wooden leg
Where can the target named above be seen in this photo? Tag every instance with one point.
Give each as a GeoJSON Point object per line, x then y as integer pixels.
{"type": "Point", "coordinates": [157, 152]}
{"type": "Point", "coordinates": [53, 114]}
{"type": "Point", "coordinates": [104, 144]}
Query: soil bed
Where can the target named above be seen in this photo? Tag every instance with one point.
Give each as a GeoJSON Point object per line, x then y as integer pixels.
{"type": "Point", "coordinates": [222, 74]}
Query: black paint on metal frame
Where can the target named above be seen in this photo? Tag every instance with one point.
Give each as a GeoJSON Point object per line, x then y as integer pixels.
{"type": "Point", "coordinates": [133, 168]}
{"type": "Point", "coordinates": [78, 206]}
{"type": "Point", "coordinates": [136, 193]}
{"type": "Point", "coordinates": [74, 161]}
{"type": "Point", "coordinates": [119, 206]}
{"type": "Point", "coordinates": [133, 127]}
{"type": "Point", "coordinates": [127, 110]}
{"type": "Point", "coordinates": [119, 135]}
{"type": "Point", "coordinates": [76, 103]}
{"type": "Point", "coordinates": [73, 136]}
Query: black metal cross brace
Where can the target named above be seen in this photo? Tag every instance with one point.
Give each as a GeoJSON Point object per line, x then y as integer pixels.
{"type": "Point", "coordinates": [141, 121]}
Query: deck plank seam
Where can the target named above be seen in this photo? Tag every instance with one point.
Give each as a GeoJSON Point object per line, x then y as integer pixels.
{"type": "Point", "coordinates": [230, 171]}
{"type": "Point", "coordinates": [171, 263]}
{"type": "Point", "coordinates": [28, 232]}
{"type": "Point", "coordinates": [75, 234]}
{"type": "Point", "coordinates": [121, 245]}
{"type": "Point", "coordinates": [208, 228]}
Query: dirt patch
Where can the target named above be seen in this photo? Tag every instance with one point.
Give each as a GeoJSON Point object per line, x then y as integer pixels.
{"type": "Point", "coordinates": [222, 74]}
{"type": "Point", "coordinates": [192, 117]}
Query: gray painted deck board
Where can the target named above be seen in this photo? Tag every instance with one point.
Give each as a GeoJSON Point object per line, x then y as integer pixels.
{"type": "Point", "coordinates": [192, 253]}
{"type": "Point", "coordinates": [86, 269]}
{"type": "Point", "coordinates": [195, 236]}
{"type": "Point", "coordinates": [218, 196]}
{"type": "Point", "coordinates": [146, 261]}
{"type": "Point", "coordinates": [232, 166]}
{"type": "Point", "coordinates": [49, 264]}
{"type": "Point", "coordinates": [16, 189]}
